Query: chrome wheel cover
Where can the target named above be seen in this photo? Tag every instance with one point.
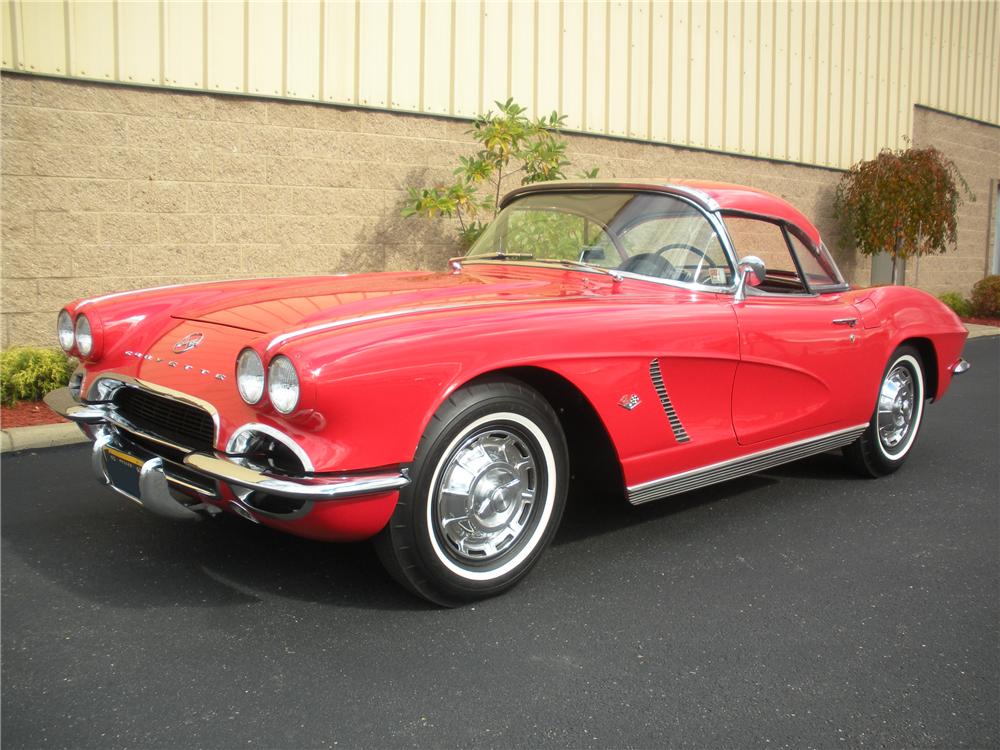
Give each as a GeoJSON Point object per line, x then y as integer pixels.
{"type": "Point", "coordinates": [486, 496]}
{"type": "Point", "coordinates": [898, 405]}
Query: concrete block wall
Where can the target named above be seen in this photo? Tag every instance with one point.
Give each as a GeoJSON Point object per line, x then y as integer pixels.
{"type": "Point", "coordinates": [107, 188]}
{"type": "Point", "coordinates": [975, 149]}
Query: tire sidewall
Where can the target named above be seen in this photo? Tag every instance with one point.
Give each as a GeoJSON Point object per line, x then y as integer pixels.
{"type": "Point", "coordinates": [908, 358]}
{"type": "Point", "coordinates": [530, 417]}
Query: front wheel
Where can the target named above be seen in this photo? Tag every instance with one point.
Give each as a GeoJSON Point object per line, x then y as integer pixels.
{"type": "Point", "coordinates": [489, 486]}
{"type": "Point", "coordinates": [886, 442]}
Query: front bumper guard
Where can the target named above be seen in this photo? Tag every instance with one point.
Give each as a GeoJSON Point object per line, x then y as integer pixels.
{"type": "Point", "coordinates": [96, 419]}
{"type": "Point", "coordinates": [960, 366]}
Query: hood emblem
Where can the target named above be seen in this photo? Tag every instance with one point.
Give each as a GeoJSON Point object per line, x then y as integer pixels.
{"type": "Point", "coordinates": [188, 343]}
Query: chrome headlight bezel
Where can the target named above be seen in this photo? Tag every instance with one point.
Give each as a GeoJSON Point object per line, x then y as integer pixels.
{"type": "Point", "coordinates": [83, 334]}
{"type": "Point", "coordinates": [250, 376]}
{"type": "Point", "coordinates": [283, 386]}
{"type": "Point", "coordinates": [65, 331]}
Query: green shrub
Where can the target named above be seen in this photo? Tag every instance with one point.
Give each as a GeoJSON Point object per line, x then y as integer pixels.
{"type": "Point", "coordinates": [986, 297]}
{"type": "Point", "coordinates": [27, 373]}
{"type": "Point", "coordinates": [958, 304]}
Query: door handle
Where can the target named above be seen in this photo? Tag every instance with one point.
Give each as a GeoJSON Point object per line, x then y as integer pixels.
{"type": "Point", "coordinates": [845, 322]}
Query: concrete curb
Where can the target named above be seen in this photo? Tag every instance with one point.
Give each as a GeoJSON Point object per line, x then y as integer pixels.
{"type": "Point", "coordinates": [51, 435]}
{"type": "Point", "coordinates": [978, 331]}
{"type": "Point", "coordinates": [40, 436]}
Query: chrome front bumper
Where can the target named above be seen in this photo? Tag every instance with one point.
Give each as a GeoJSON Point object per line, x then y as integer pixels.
{"type": "Point", "coordinates": [104, 425]}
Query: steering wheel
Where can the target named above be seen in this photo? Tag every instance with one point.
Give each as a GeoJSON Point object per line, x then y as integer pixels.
{"type": "Point", "coordinates": [649, 264]}
{"type": "Point", "coordinates": [703, 259]}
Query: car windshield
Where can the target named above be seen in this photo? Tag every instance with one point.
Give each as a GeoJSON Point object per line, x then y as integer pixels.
{"type": "Point", "coordinates": [647, 234]}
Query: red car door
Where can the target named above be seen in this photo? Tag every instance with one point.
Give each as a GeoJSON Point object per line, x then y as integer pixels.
{"type": "Point", "coordinates": [798, 371]}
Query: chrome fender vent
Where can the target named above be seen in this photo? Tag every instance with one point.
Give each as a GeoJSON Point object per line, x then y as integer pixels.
{"type": "Point", "coordinates": [656, 375]}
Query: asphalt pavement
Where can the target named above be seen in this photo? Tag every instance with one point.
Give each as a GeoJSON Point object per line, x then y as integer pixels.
{"type": "Point", "coordinates": [800, 607]}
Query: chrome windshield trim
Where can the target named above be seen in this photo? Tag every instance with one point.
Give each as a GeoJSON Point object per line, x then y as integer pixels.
{"type": "Point", "coordinates": [666, 186]}
{"type": "Point", "coordinates": [686, 285]}
{"type": "Point", "coordinates": [700, 201]}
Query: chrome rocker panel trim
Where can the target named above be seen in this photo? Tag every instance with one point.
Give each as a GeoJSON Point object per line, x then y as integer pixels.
{"type": "Point", "coordinates": [217, 467]}
{"type": "Point", "coordinates": [738, 467]}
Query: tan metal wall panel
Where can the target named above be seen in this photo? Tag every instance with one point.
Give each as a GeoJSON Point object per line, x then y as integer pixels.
{"type": "Point", "coordinates": [658, 90]}
{"type": "Point", "coordinates": [437, 66]}
{"type": "Point", "coordinates": [265, 47]}
{"type": "Point", "coordinates": [184, 44]}
{"type": "Point", "coordinates": [302, 40]}
{"type": "Point", "coordinates": [407, 46]}
{"type": "Point", "coordinates": [818, 81]}
{"type": "Point", "coordinates": [468, 61]}
{"type": "Point", "coordinates": [227, 25]}
{"type": "Point", "coordinates": [92, 40]}
{"type": "Point", "coordinates": [522, 53]}
{"type": "Point", "coordinates": [340, 51]}
{"type": "Point", "coordinates": [495, 81]}
{"type": "Point", "coordinates": [138, 49]}
{"type": "Point", "coordinates": [715, 87]}
{"type": "Point", "coordinates": [42, 37]}
{"type": "Point", "coordinates": [595, 55]}
{"type": "Point", "coordinates": [8, 55]}
{"type": "Point", "coordinates": [548, 54]}
{"type": "Point", "coordinates": [697, 94]}
{"type": "Point", "coordinates": [572, 64]}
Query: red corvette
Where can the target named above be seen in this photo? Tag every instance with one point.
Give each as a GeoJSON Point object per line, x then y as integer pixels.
{"type": "Point", "coordinates": [661, 336]}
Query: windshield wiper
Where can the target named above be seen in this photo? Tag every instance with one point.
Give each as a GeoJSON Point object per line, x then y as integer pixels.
{"type": "Point", "coordinates": [580, 264]}
{"type": "Point", "coordinates": [498, 255]}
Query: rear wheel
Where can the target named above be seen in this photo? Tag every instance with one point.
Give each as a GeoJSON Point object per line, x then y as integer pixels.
{"type": "Point", "coordinates": [488, 490]}
{"type": "Point", "coordinates": [892, 431]}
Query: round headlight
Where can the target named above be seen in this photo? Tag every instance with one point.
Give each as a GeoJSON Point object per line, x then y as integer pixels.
{"type": "Point", "coordinates": [84, 337]}
{"type": "Point", "coordinates": [64, 329]}
{"type": "Point", "coordinates": [283, 384]}
{"type": "Point", "coordinates": [250, 376]}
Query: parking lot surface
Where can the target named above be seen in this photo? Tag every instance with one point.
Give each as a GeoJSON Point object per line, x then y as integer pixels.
{"type": "Point", "coordinates": [800, 607]}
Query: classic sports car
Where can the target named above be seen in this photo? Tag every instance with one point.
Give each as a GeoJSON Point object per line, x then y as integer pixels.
{"type": "Point", "coordinates": [658, 335]}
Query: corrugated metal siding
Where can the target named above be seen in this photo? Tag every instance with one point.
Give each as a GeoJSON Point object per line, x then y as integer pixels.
{"type": "Point", "coordinates": [816, 82]}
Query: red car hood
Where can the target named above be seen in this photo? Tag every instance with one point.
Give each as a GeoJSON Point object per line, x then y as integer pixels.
{"type": "Point", "coordinates": [296, 302]}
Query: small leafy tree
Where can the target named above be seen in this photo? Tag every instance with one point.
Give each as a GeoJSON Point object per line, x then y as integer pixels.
{"type": "Point", "coordinates": [901, 202]}
{"type": "Point", "coordinates": [511, 144]}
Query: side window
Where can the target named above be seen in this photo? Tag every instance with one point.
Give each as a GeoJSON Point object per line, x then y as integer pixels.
{"type": "Point", "coordinates": [766, 240]}
{"type": "Point", "coordinates": [815, 264]}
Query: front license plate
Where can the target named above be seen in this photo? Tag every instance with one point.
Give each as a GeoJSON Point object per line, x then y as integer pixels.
{"type": "Point", "coordinates": [123, 471]}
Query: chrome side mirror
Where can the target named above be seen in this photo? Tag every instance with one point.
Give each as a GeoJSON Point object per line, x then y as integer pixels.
{"type": "Point", "coordinates": [751, 272]}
